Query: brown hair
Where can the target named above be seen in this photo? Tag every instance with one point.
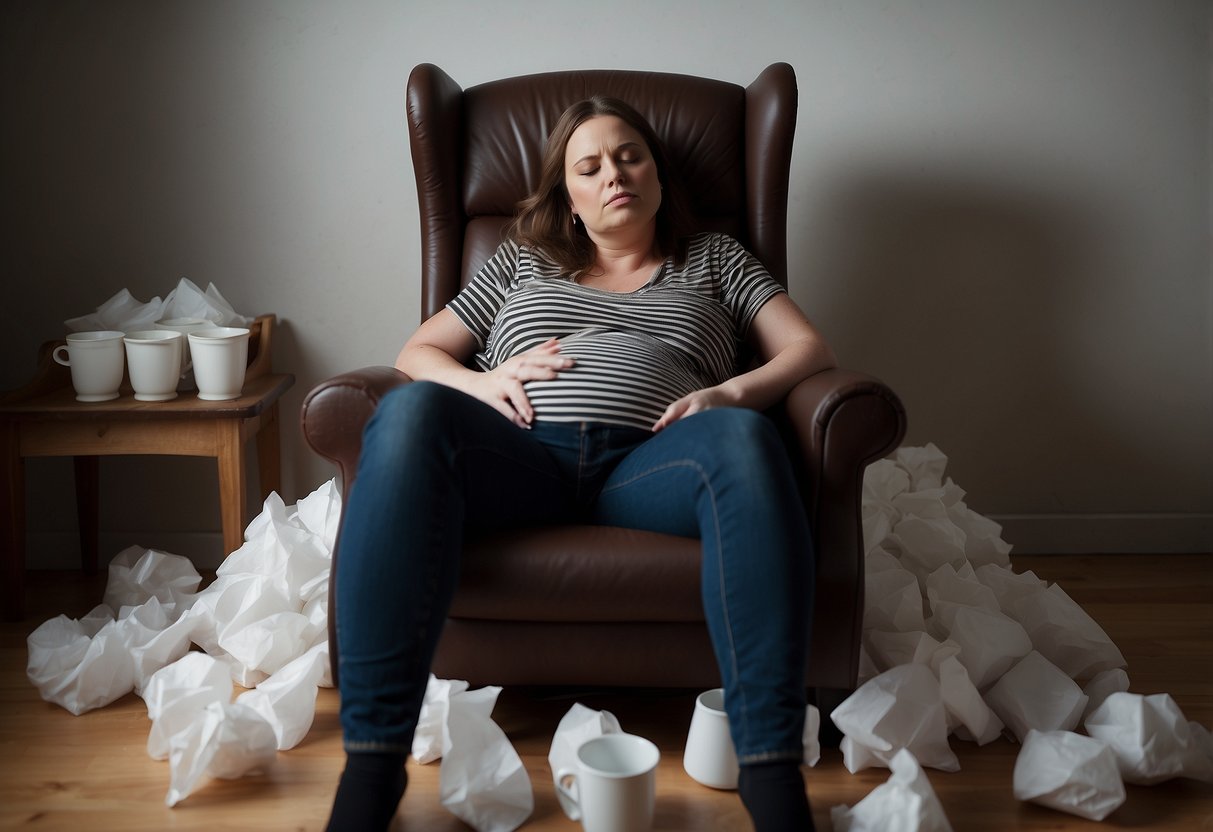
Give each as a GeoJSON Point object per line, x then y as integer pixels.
{"type": "Point", "coordinates": [544, 220]}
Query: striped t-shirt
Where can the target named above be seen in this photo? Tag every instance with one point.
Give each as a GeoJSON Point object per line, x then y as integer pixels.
{"type": "Point", "coordinates": [634, 352]}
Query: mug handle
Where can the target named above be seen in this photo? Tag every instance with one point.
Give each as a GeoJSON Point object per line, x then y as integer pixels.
{"type": "Point", "coordinates": [66, 362]}
{"type": "Point", "coordinates": [568, 797]}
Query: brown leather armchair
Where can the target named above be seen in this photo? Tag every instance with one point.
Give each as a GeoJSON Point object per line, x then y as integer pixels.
{"type": "Point", "coordinates": [600, 606]}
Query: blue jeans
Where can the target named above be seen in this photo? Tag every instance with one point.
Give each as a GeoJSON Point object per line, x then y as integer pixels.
{"type": "Point", "coordinates": [436, 462]}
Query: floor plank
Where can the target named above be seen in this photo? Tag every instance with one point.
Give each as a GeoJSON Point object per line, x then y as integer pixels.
{"type": "Point", "coordinates": [93, 773]}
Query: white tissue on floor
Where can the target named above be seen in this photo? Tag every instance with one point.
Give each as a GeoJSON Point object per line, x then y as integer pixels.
{"type": "Point", "coordinates": [1035, 694]}
{"type": "Point", "coordinates": [482, 780]}
{"type": "Point", "coordinates": [578, 725]}
{"type": "Point", "coordinates": [900, 708]}
{"type": "Point", "coordinates": [1103, 685]}
{"type": "Point", "coordinates": [1068, 772]}
{"type": "Point", "coordinates": [287, 700]}
{"type": "Point", "coordinates": [1062, 632]}
{"type": "Point", "coordinates": [263, 623]}
{"type": "Point", "coordinates": [177, 694]}
{"type": "Point", "coordinates": [1151, 739]}
{"type": "Point", "coordinates": [904, 803]}
{"type": "Point", "coordinates": [227, 740]}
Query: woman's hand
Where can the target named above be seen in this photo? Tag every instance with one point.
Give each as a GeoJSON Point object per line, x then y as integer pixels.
{"type": "Point", "coordinates": [502, 387]}
{"type": "Point", "coordinates": [696, 402]}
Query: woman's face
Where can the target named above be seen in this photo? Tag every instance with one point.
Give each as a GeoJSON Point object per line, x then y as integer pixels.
{"type": "Point", "coordinates": [610, 176]}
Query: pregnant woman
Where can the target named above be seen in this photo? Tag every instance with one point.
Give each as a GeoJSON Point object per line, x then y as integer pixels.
{"type": "Point", "coordinates": [588, 373]}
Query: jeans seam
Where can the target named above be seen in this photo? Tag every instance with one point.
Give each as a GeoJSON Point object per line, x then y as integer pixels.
{"type": "Point", "coordinates": [724, 603]}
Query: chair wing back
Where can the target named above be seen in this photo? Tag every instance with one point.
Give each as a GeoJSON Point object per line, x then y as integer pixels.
{"type": "Point", "coordinates": [476, 155]}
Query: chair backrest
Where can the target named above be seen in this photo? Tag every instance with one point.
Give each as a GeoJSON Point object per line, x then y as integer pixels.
{"type": "Point", "coordinates": [476, 155]}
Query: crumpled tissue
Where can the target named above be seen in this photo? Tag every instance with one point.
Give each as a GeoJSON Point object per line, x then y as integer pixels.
{"type": "Point", "coordinates": [578, 725]}
{"type": "Point", "coordinates": [1008, 585]}
{"type": "Point", "coordinates": [228, 740]}
{"type": "Point", "coordinates": [482, 780]}
{"type": "Point", "coordinates": [287, 700]}
{"type": "Point", "coordinates": [968, 714]}
{"type": "Point", "coordinates": [81, 666]}
{"type": "Point", "coordinates": [1036, 694]}
{"type": "Point", "coordinates": [137, 575]}
{"type": "Point", "coordinates": [199, 730]}
{"type": "Point", "coordinates": [177, 693]}
{"type": "Point", "coordinates": [959, 586]}
{"type": "Point", "coordinates": [888, 650]}
{"type": "Point", "coordinates": [1062, 632]}
{"type": "Point", "coordinates": [1151, 739]}
{"type": "Point", "coordinates": [811, 739]}
{"type": "Point", "coordinates": [904, 803]}
{"type": "Point", "coordinates": [990, 642]}
{"type": "Point", "coordinates": [1103, 685]}
{"type": "Point", "coordinates": [124, 312]}
{"type": "Point", "coordinates": [892, 601]}
{"type": "Point", "coordinates": [1069, 772]}
{"type": "Point", "coordinates": [900, 708]}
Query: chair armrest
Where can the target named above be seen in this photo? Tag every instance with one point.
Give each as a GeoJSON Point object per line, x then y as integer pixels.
{"type": "Point", "coordinates": [838, 422]}
{"type": "Point", "coordinates": [336, 411]}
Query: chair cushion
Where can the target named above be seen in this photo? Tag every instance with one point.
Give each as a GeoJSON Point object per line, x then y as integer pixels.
{"type": "Point", "coordinates": [580, 574]}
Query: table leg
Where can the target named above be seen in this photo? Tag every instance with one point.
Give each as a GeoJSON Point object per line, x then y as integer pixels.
{"type": "Point", "coordinates": [12, 543]}
{"type": "Point", "coordinates": [269, 455]}
{"type": "Point", "coordinates": [233, 484]}
{"type": "Point", "coordinates": [88, 516]}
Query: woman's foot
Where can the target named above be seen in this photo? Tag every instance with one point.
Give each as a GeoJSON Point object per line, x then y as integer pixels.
{"type": "Point", "coordinates": [369, 792]}
{"type": "Point", "coordinates": [774, 795]}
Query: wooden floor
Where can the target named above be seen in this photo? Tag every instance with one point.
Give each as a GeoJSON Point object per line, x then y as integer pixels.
{"type": "Point", "coordinates": [91, 772]}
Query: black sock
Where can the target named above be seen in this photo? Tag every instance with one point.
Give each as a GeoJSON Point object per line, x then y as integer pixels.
{"type": "Point", "coordinates": [369, 792]}
{"type": "Point", "coordinates": [774, 795]}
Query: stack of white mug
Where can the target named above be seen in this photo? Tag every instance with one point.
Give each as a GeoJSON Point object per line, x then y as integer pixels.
{"type": "Point", "coordinates": [159, 361]}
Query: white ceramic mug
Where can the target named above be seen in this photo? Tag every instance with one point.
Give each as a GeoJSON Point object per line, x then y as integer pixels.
{"type": "Point", "coordinates": [185, 326]}
{"type": "Point", "coordinates": [709, 757]}
{"type": "Point", "coordinates": [153, 357]}
{"type": "Point", "coordinates": [220, 356]}
{"type": "Point", "coordinates": [96, 361]}
{"type": "Point", "coordinates": [614, 785]}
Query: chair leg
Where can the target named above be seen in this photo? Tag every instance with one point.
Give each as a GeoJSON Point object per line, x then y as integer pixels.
{"type": "Point", "coordinates": [88, 514]}
{"type": "Point", "coordinates": [269, 455]}
{"type": "Point", "coordinates": [12, 536]}
{"type": "Point", "coordinates": [827, 699]}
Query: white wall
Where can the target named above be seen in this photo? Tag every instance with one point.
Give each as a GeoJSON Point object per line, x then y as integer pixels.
{"type": "Point", "coordinates": [1001, 208]}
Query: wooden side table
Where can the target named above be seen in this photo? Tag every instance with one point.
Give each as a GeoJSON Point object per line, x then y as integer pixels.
{"type": "Point", "coordinates": [44, 419]}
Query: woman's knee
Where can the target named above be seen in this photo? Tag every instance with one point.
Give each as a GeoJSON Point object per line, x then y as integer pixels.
{"type": "Point", "coordinates": [410, 413]}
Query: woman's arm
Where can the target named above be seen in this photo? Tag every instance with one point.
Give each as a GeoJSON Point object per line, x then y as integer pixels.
{"type": "Point", "coordinates": [440, 348]}
{"type": "Point", "coordinates": [791, 350]}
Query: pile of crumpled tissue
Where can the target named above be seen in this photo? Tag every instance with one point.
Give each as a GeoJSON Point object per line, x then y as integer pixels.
{"type": "Point", "coordinates": [124, 313]}
{"type": "Point", "coordinates": [957, 643]}
{"type": "Point", "coordinates": [262, 624]}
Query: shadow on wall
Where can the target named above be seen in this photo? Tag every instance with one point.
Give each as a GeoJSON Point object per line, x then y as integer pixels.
{"type": "Point", "coordinates": [303, 471]}
{"type": "Point", "coordinates": [963, 297]}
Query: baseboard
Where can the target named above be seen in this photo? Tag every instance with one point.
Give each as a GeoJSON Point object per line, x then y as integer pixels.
{"type": "Point", "coordinates": [1086, 534]}
{"type": "Point", "coordinates": [61, 550]}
